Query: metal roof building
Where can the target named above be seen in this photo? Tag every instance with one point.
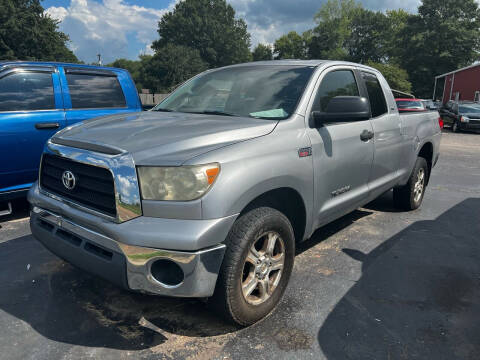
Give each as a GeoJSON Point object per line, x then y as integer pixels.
{"type": "Point", "coordinates": [461, 84]}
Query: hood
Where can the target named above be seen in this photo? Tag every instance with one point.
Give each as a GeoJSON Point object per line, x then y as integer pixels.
{"type": "Point", "coordinates": [472, 115]}
{"type": "Point", "coordinates": [159, 138]}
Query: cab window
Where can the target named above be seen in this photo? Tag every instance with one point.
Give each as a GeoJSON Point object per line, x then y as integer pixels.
{"type": "Point", "coordinates": [26, 91]}
{"type": "Point", "coordinates": [378, 103]}
{"type": "Point", "coordinates": [335, 83]}
{"type": "Point", "coordinates": [95, 91]}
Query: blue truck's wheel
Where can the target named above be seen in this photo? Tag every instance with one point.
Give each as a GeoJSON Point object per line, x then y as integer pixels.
{"type": "Point", "coordinates": [257, 266]}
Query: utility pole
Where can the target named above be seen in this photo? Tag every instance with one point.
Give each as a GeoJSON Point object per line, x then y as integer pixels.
{"type": "Point", "coordinates": [99, 59]}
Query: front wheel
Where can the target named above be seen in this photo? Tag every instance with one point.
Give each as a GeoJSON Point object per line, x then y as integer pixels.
{"type": "Point", "coordinates": [257, 266]}
{"type": "Point", "coordinates": [410, 196]}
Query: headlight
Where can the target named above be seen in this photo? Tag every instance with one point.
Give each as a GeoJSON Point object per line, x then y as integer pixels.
{"type": "Point", "coordinates": [464, 119]}
{"type": "Point", "coordinates": [180, 183]}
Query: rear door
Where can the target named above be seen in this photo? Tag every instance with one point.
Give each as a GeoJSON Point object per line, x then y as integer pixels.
{"type": "Point", "coordinates": [31, 111]}
{"type": "Point", "coordinates": [342, 160]}
{"type": "Point", "coordinates": [90, 93]}
{"type": "Point", "coordinates": [388, 138]}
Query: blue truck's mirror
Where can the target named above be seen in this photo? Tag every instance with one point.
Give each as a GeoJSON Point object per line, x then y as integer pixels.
{"type": "Point", "coordinates": [342, 109]}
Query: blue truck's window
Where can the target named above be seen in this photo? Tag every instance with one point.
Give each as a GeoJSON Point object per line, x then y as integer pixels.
{"type": "Point", "coordinates": [335, 83]}
{"type": "Point", "coordinates": [26, 91]}
{"type": "Point", "coordinates": [378, 104]}
{"type": "Point", "coordinates": [95, 91]}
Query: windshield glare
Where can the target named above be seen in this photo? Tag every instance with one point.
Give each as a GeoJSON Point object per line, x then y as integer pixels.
{"type": "Point", "coordinates": [267, 92]}
{"type": "Point", "coordinates": [469, 109]}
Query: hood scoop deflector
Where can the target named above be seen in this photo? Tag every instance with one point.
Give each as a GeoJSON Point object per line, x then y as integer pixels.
{"type": "Point", "coordinates": [99, 148]}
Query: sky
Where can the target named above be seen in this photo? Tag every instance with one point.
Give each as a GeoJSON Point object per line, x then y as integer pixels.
{"type": "Point", "coordinates": [126, 28]}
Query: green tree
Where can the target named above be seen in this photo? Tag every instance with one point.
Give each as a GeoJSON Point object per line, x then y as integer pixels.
{"type": "Point", "coordinates": [290, 46]}
{"type": "Point", "coordinates": [26, 33]}
{"type": "Point", "coordinates": [210, 27]}
{"type": "Point", "coordinates": [170, 66]}
{"type": "Point", "coordinates": [442, 37]}
{"type": "Point", "coordinates": [334, 28]}
{"type": "Point", "coordinates": [262, 52]}
{"type": "Point", "coordinates": [396, 77]}
{"type": "Point", "coordinates": [397, 20]}
{"type": "Point", "coordinates": [368, 40]}
{"type": "Point", "coordinates": [134, 67]}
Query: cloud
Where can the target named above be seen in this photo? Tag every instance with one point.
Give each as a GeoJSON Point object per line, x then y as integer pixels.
{"type": "Point", "coordinates": [115, 28]}
{"type": "Point", "coordinates": [58, 13]}
{"type": "Point", "coordinates": [267, 20]}
{"type": "Point", "coordinates": [112, 28]}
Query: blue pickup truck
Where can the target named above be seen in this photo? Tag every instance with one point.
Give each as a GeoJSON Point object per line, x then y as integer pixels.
{"type": "Point", "coordinates": [39, 98]}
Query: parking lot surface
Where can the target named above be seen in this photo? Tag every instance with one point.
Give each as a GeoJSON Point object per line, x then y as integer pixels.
{"type": "Point", "coordinates": [375, 284]}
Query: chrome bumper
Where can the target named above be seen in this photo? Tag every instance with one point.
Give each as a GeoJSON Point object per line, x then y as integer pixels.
{"type": "Point", "coordinates": [91, 250]}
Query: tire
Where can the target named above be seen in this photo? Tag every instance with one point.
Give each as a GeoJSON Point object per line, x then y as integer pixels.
{"type": "Point", "coordinates": [410, 196]}
{"type": "Point", "coordinates": [258, 226]}
{"type": "Point", "coordinates": [455, 127]}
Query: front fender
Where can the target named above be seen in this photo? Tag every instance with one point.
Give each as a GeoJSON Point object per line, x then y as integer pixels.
{"type": "Point", "coordinates": [252, 168]}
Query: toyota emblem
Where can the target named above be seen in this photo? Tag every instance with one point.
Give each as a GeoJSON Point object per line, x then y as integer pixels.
{"type": "Point", "coordinates": [68, 179]}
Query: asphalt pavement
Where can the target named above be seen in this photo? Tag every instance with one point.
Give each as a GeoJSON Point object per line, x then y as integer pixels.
{"type": "Point", "coordinates": [375, 284]}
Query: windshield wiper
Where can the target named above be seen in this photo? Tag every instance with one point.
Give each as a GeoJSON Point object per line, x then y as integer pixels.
{"type": "Point", "coordinates": [267, 117]}
{"type": "Point", "coordinates": [163, 109]}
{"type": "Point", "coordinates": [212, 112]}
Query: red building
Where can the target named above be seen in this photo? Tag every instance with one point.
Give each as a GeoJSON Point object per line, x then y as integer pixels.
{"type": "Point", "coordinates": [461, 84]}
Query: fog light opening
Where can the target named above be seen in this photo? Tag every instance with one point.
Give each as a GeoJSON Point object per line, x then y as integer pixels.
{"type": "Point", "coordinates": [167, 272]}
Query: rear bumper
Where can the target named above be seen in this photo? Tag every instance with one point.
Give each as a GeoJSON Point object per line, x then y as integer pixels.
{"type": "Point", "coordinates": [125, 265]}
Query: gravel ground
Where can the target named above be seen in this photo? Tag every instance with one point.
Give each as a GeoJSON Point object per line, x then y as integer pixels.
{"type": "Point", "coordinates": [375, 284]}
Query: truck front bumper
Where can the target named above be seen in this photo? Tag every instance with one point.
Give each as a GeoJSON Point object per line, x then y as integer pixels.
{"type": "Point", "coordinates": [155, 271]}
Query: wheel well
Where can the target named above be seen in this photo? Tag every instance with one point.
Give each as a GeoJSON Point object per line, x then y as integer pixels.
{"type": "Point", "coordinates": [289, 202]}
{"type": "Point", "coordinates": [426, 152]}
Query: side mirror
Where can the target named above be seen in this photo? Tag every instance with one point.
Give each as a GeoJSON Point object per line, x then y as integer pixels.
{"type": "Point", "coordinates": [342, 109]}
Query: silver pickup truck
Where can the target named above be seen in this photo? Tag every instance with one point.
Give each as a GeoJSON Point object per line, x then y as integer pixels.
{"type": "Point", "coordinates": [208, 194]}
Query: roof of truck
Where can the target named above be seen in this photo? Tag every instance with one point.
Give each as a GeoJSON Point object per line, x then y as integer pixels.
{"type": "Point", "coordinates": [300, 62]}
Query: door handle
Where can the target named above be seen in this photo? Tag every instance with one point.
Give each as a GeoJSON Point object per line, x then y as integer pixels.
{"type": "Point", "coordinates": [366, 135]}
{"type": "Point", "coordinates": [47, 125]}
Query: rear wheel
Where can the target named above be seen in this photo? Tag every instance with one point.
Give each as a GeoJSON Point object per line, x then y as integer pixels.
{"type": "Point", "coordinates": [256, 267]}
{"type": "Point", "coordinates": [410, 196]}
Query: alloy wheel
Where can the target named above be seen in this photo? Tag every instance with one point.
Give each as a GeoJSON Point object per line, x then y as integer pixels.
{"type": "Point", "coordinates": [419, 185]}
{"type": "Point", "coordinates": [263, 268]}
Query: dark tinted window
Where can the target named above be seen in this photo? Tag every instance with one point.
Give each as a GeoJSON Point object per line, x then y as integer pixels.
{"type": "Point", "coordinates": [26, 91]}
{"type": "Point", "coordinates": [95, 91]}
{"type": "Point", "coordinates": [378, 104]}
{"type": "Point", "coordinates": [335, 83]}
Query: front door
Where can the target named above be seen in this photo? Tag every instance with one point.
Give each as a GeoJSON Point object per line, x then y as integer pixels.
{"type": "Point", "coordinates": [342, 160]}
{"type": "Point", "coordinates": [31, 111]}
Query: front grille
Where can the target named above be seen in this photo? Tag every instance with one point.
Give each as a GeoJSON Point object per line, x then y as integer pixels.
{"type": "Point", "coordinates": [94, 186]}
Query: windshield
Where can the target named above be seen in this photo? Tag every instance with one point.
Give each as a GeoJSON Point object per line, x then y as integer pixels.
{"type": "Point", "coordinates": [266, 92]}
{"type": "Point", "coordinates": [469, 109]}
{"type": "Point", "coordinates": [404, 104]}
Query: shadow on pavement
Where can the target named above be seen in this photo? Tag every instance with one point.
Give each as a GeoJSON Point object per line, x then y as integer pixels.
{"type": "Point", "coordinates": [330, 229]}
{"type": "Point", "coordinates": [418, 297]}
{"type": "Point", "coordinates": [383, 203]}
{"type": "Point", "coordinates": [67, 305]}
{"type": "Point", "coordinates": [20, 209]}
